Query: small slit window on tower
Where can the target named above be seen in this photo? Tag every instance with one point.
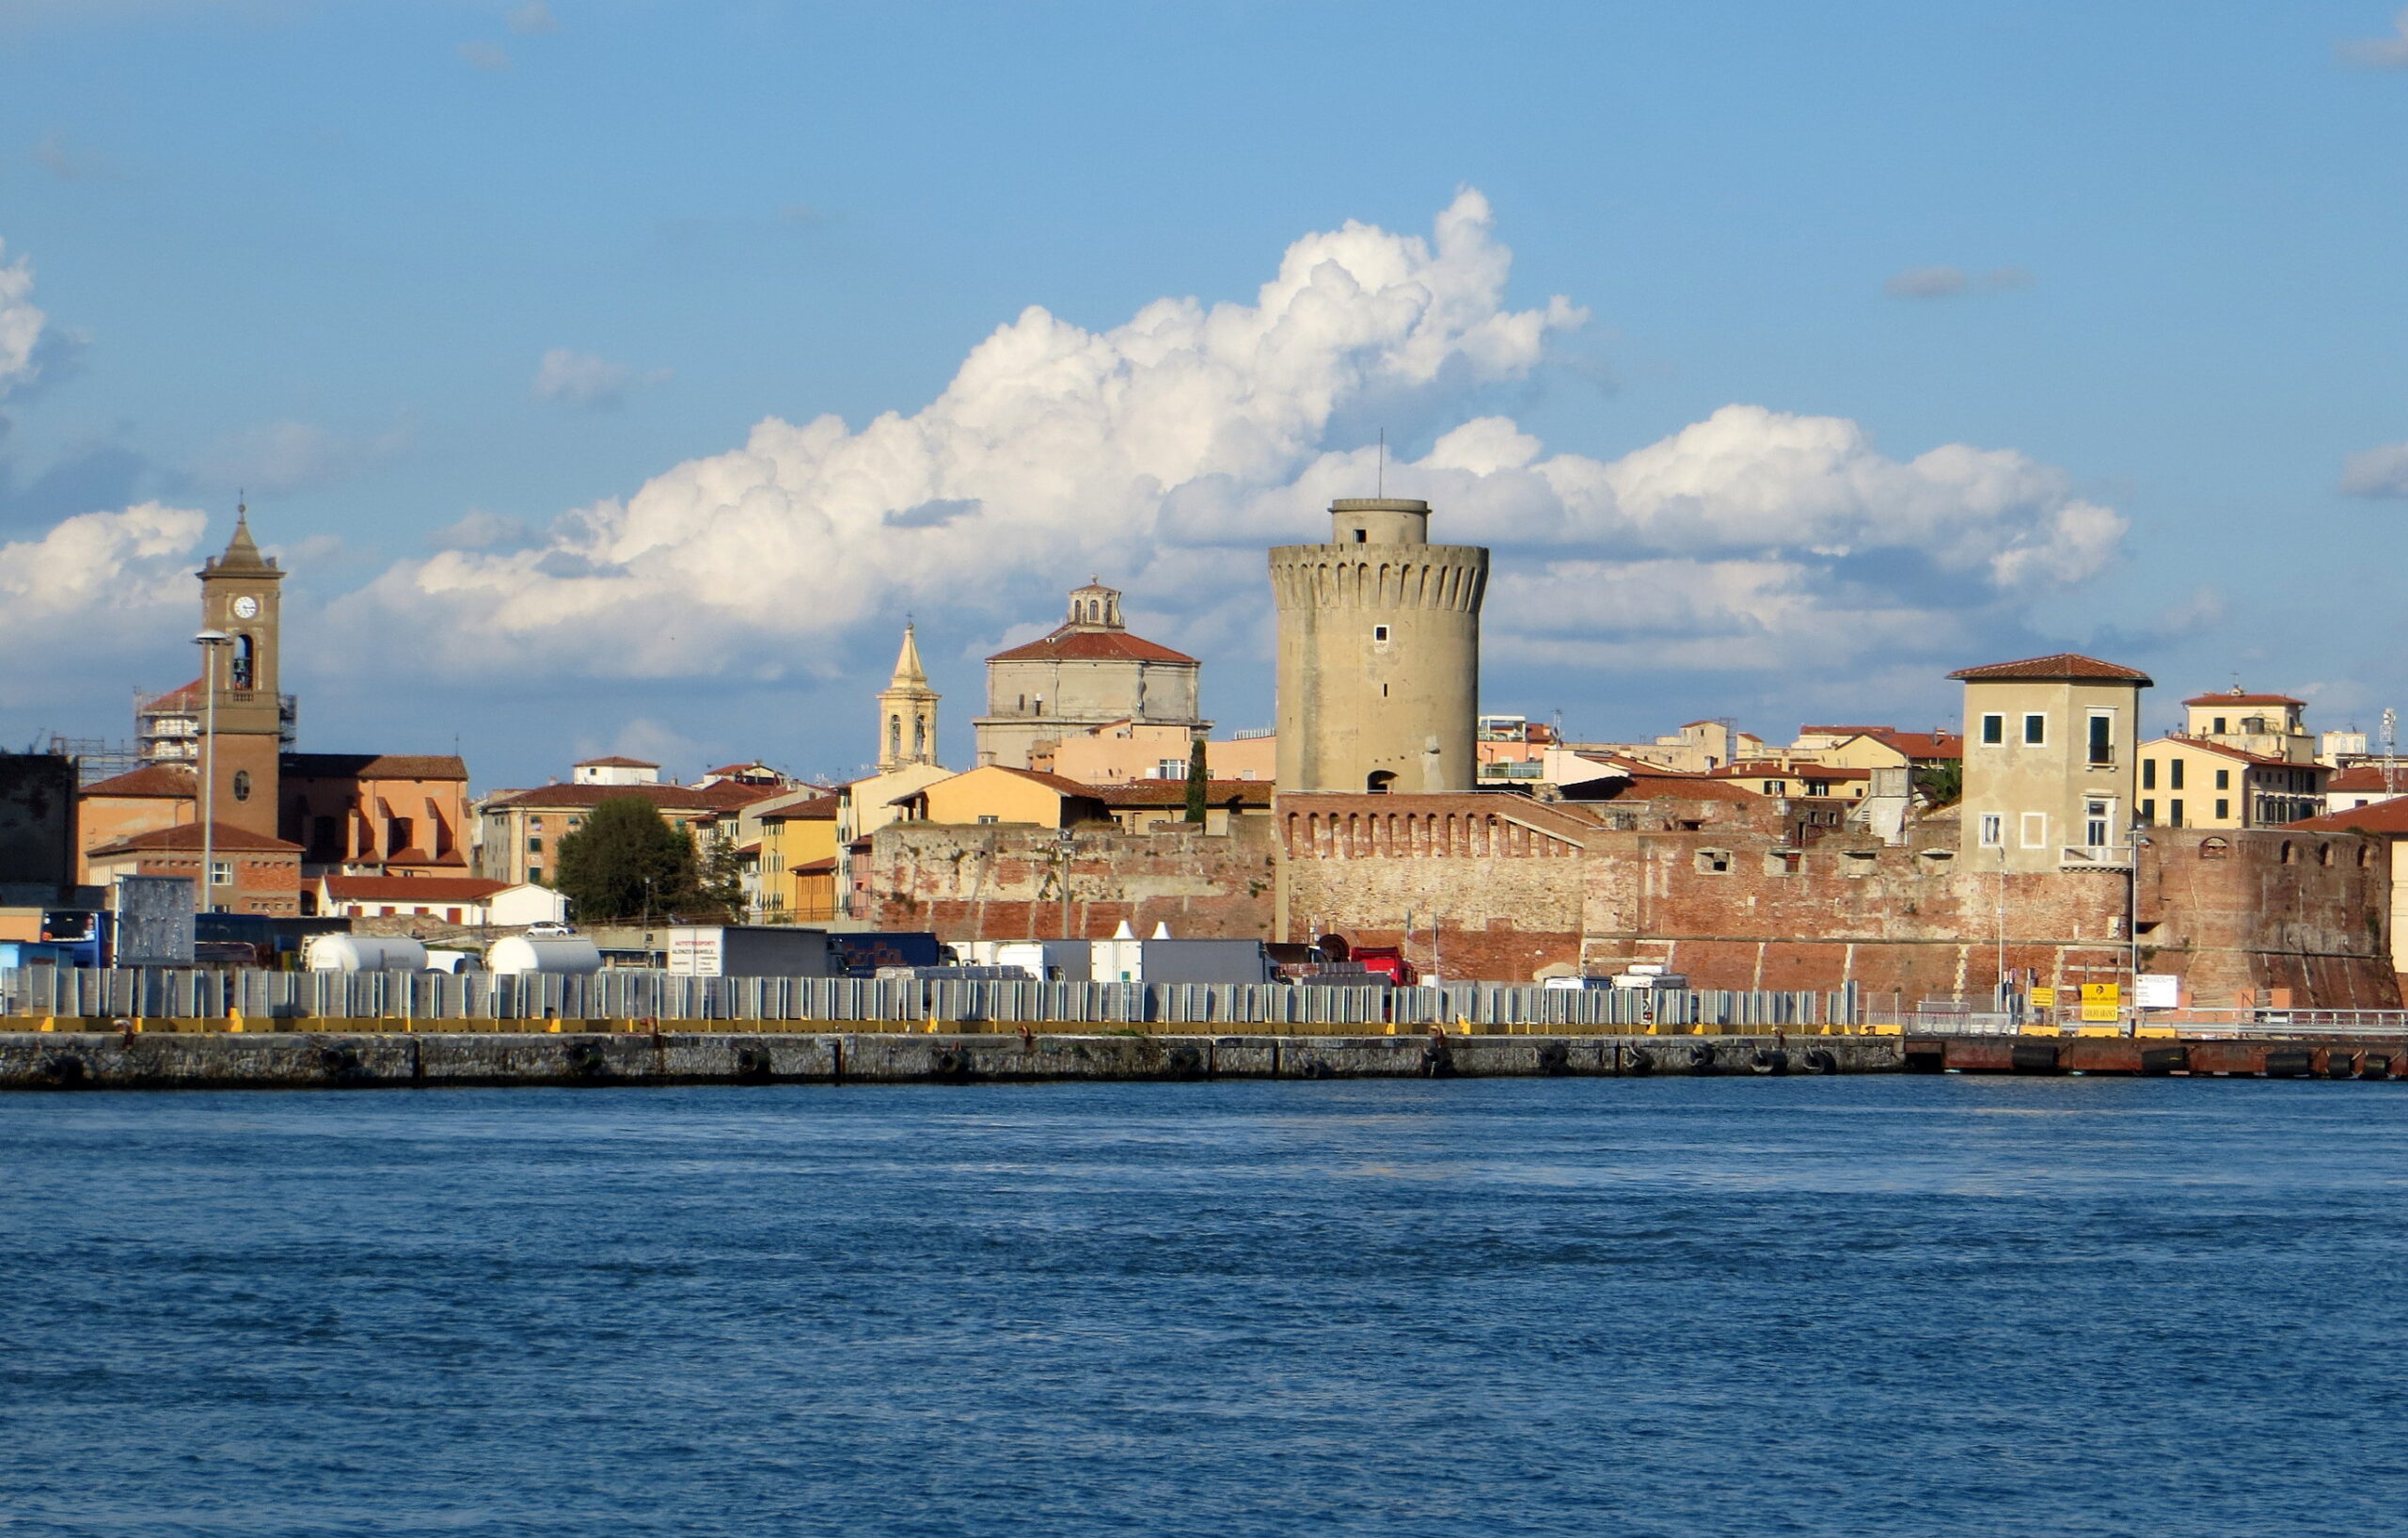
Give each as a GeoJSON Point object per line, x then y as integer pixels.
{"type": "Point", "coordinates": [1379, 632]}
{"type": "Point", "coordinates": [1362, 536]}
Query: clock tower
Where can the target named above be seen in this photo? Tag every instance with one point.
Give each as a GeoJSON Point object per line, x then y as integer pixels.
{"type": "Point", "coordinates": [244, 743]}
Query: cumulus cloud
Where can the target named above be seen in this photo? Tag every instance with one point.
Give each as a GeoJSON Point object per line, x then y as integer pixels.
{"type": "Point", "coordinates": [97, 585]}
{"type": "Point", "coordinates": [573, 378]}
{"type": "Point", "coordinates": [2380, 472]}
{"type": "Point", "coordinates": [1170, 450]}
{"type": "Point", "coordinates": [485, 56]}
{"type": "Point", "coordinates": [21, 323]}
{"type": "Point", "coordinates": [2389, 53]}
{"type": "Point", "coordinates": [534, 17]}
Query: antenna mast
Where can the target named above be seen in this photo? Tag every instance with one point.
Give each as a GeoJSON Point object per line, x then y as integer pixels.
{"type": "Point", "coordinates": [1380, 485]}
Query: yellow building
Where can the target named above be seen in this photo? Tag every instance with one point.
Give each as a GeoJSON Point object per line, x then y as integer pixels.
{"type": "Point", "coordinates": [2187, 781]}
{"type": "Point", "coordinates": [1795, 779]}
{"type": "Point", "coordinates": [2049, 762]}
{"type": "Point", "coordinates": [798, 861]}
{"type": "Point", "coordinates": [2267, 725]}
{"type": "Point", "coordinates": [996, 794]}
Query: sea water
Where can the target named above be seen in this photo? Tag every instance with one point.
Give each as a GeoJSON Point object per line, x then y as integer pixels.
{"type": "Point", "coordinates": [1668, 1305]}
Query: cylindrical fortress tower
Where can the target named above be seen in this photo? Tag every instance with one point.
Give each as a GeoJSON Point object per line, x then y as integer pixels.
{"type": "Point", "coordinates": [1379, 653]}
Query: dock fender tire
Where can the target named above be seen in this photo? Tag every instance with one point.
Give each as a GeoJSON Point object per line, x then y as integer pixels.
{"type": "Point", "coordinates": [1637, 1063]}
{"type": "Point", "coordinates": [1554, 1058]}
{"type": "Point", "coordinates": [1701, 1058]}
{"type": "Point", "coordinates": [1820, 1060]}
{"type": "Point", "coordinates": [1769, 1060]}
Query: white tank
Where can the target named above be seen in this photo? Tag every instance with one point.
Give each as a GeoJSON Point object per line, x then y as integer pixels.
{"type": "Point", "coordinates": [365, 953]}
{"type": "Point", "coordinates": [571, 954]}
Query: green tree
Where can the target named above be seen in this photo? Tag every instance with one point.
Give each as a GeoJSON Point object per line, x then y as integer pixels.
{"type": "Point", "coordinates": [1195, 782]}
{"type": "Point", "coordinates": [626, 862]}
{"type": "Point", "coordinates": [1943, 784]}
{"type": "Point", "coordinates": [722, 882]}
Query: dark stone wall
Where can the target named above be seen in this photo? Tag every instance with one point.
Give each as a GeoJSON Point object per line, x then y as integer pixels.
{"type": "Point", "coordinates": [36, 821]}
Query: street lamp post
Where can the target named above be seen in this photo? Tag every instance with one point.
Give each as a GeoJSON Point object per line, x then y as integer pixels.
{"type": "Point", "coordinates": [208, 641]}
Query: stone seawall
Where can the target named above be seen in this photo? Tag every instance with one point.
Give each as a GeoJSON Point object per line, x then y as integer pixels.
{"type": "Point", "coordinates": [154, 1059]}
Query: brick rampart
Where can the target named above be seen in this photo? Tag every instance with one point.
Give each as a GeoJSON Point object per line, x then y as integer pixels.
{"type": "Point", "coordinates": [999, 883]}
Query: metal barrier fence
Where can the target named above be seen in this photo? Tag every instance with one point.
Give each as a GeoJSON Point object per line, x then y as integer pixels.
{"type": "Point", "coordinates": [176, 993]}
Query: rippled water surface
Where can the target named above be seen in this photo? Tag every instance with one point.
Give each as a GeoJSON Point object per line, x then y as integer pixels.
{"type": "Point", "coordinates": [1651, 1306]}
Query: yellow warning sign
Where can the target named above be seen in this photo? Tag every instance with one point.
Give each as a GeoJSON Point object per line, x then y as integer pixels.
{"type": "Point", "coordinates": [2044, 998]}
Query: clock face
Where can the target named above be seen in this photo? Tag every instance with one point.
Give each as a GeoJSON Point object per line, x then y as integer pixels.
{"type": "Point", "coordinates": [245, 606]}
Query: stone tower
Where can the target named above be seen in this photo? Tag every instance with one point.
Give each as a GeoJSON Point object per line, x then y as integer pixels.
{"type": "Point", "coordinates": [238, 597]}
{"type": "Point", "coordinates": [1379, 653]}
{"type": "Point", "coordinates": [907, 712]}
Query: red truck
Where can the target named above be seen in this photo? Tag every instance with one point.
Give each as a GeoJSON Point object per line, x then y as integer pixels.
{"type": "Point", "coordinates": [1388, 961]}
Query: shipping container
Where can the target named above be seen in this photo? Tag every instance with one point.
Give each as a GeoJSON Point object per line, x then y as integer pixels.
{"type": "Point", "coordinates": [752, 950]}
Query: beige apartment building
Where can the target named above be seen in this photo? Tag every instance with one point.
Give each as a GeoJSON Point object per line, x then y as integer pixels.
{"type": "Point", "coordinates": [1091, 672]}
{"type": "Point", "coordinates": [2050, 762]}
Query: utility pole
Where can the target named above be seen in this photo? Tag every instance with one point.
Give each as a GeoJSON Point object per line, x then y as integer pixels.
{"type": "Point", "coordinates": [208, 641]}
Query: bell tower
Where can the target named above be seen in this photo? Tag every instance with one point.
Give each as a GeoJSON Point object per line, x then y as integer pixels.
{"type": "Point", "coordinates": [244, 718]}
{"type": "Point", "coordinates": [907, 712]}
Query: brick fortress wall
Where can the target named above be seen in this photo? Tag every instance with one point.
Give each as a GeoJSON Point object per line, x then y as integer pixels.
{"type": "Point", "coordinates": [1008, 882]}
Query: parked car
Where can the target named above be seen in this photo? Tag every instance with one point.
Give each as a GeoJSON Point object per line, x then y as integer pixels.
{"type": "Point", "coordinates": [551, 927]}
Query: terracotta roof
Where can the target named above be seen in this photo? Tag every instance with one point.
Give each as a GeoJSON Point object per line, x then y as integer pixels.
{"type": "Point", "coordinates": [1173, 793]}
{"type": "Point", "coordinates": [2381, 817]}
{"type": "Point", "coordinates": [2072, 667]}
{"type": "Point", "coordinates": [1070, 645]}
{"type": "Point", "coordinates": [826, 866]}
{"type": "Point", "coordinates": [2235, 697]}
{"type": "Point", "coordinates": [1922, 744]}
{"type": "Point", "coordinates": [818, 809]}
{"type": "Point", "coordinates": [440, 889]}
{"type": "Point", "coordinates": [614, 763]}
{"type": "Point", "coordinates": [2228, 751]}
{"type": "Point", "coordinates": [187, 835]}
{"type": "Point", "coordinates": [668, 797]}
{"type": "Point", "coordinates": [372, 766]}
{"type": "Point", "coordinates": [161, 780]}
{"type": "Point", "coordinates": [1067, 786]}
{"type": "Point", "coordinates": [753, 847]}
{"type": "Point", "coordinates": [1657, 787]}
{"type": "Point", "coordinates": [185, 697]}
{"type": "Point", "coordinates": [1799, 772]}
{"type": "Point", "coordinates": [419, 857]}
{"type": "Point", "coordinates": [2356, 777]}
{"type": "Point", "coordinates": [1843, 731]}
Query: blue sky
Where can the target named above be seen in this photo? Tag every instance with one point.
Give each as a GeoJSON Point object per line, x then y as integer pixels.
{"type": "Point", "coordinates": [437, 281]}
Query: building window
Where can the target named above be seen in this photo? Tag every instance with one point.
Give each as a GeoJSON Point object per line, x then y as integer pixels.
{"type": "Point", "coordinates": [1379, 632]}
{"type": "Point", "coordinates": [1714, 862]}
{"type": "Point", "coordinates": [2214, 849]}
{"type": "Point", "coordinates": [535, 823]}
{"type": "Point", "coordinates": [1993, 729]}
{"type": "Point", "coordinates": [2224, 779]}
{"type": "Point", "coordinates": [2289, 854]}
{"type": "Point", "coordinates": [1361, 536]}
{"type": "Point", "coordinates": [2174, 774]}
{"type": "Point", "coordinates": [1993, 830]}
{"type": "Point", "coordinates": [535, 846]}
{"type": "Point", "coordinates": [2173, 812]}
{"type": "Point", "coordinates": [2148, 774]}
{"type": "Point", "coordinates": [2148, 811]}
{"type": "Point", "coordinates": [534, 873]}
{"type": "Point", "coordinates": [221, 873]}
{"type": "Point", "coordinates": [2098, 824]}
{"type": "Point", "coordinates": [2223, 810]}
{"type": "Point", "coordinates": [2036, 830]}
{"type": "Point", "coordinates": [242, 785]}
{"type": "Point", "coordinates": [1782, 862]}
{"type": "Point", "coordinates": [2102, 738]}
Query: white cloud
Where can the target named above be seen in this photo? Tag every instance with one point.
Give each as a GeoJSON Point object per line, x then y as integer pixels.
{"type": "Point", "coordinates": [2389, 53]}
{"type": "Point", "coordinates": [1925, 283]}
{"type": "Point", "coordinates": [288, 456]}
{"type": "Point", "coordinates": [533, 16]}
{"type": "Point", "coordinates": [573, 378]}
{"type": "Point", "coordinates": [20, 322]}
{"type": "Point", "coordinates": [1167, 450]}
{"type": "Point", "coordinates": [2380, 472]}
{"type": "Point", "coordinates": [95, 587]}
{"type": "Point", "coordinates": [485, 56]}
